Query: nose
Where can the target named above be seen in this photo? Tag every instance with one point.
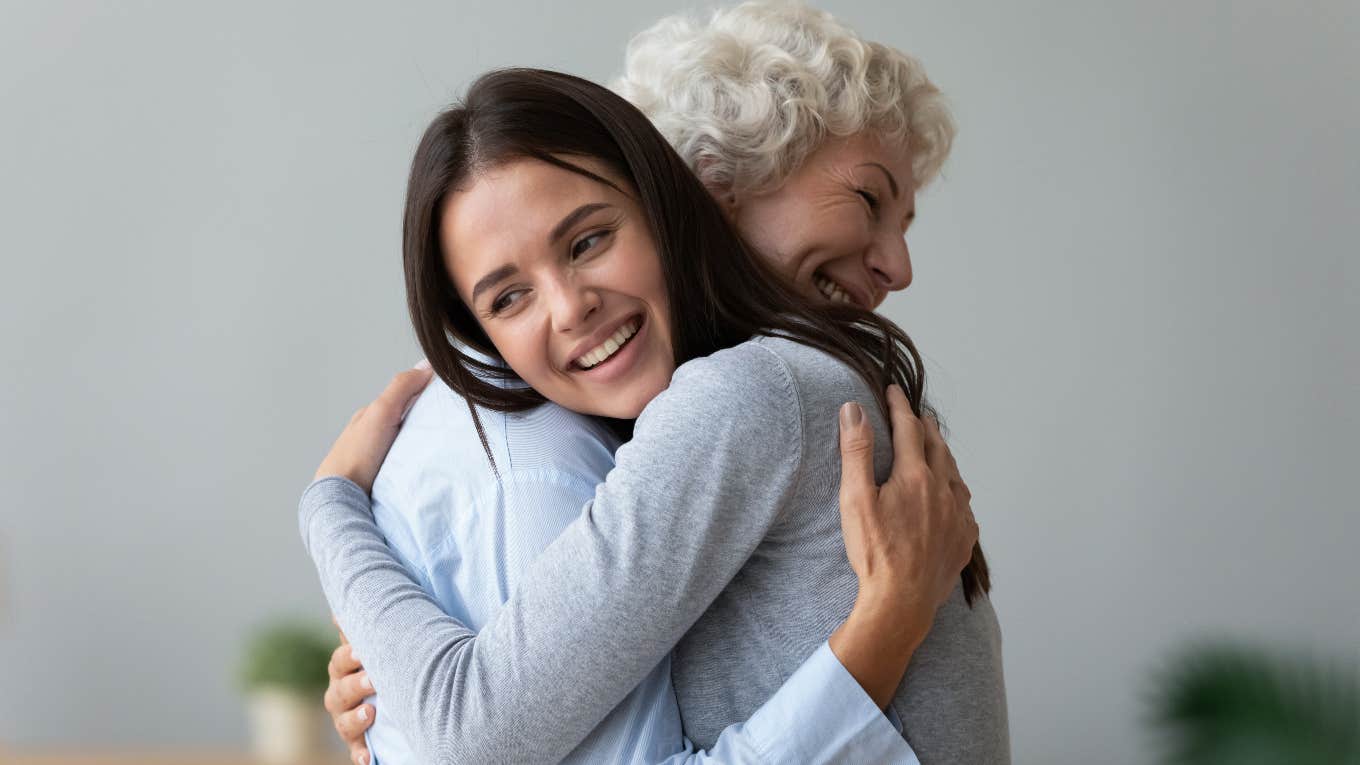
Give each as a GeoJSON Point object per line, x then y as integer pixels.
{"type": "Point", "coordinates": [571, 305]}
{"type": "Point", "coordinates": [889, 261]}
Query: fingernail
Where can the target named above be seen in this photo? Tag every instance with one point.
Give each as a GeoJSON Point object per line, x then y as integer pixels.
{"type": "Point", "coordinates": [363, 758]}
{"type": "Point", "coordinates": [851, 414]}
{"type": "Point", "coordinates": [366, 683]}
{"type": "Point", "coordinates": [422, 364]}
{"type": "Point", "coordinates": [362, 714]}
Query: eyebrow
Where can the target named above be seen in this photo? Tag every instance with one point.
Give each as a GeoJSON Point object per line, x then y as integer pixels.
{"type": "Point", "coordinates": [892, 182]}
{"type": "Point", "coordinates": [492, 279]}
{"type": "Point", "coordinates": [572, 219]}
{"type": "Point", "coordinates": [506, 271]}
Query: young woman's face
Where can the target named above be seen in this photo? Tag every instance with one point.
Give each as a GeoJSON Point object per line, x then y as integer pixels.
{"type": "Point", "coordinates": [563, 275]}
{"type": "Point", "coordinates": [837, 227]}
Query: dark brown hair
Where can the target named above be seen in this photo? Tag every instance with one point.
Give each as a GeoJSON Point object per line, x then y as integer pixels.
{"type": "Point", "coordinates": [720, 293]}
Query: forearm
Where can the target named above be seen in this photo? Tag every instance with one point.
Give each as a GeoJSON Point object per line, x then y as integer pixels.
{"type": "Point", "coordinates": [410, 647]}
{"type": "Point", "coordinates": [819, 715]}
{"type": "Point", "coordinates": [877, 640]}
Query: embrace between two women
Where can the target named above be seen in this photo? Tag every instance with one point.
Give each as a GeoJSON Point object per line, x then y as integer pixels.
{"type": "Point", "coordinates": [656, 305]}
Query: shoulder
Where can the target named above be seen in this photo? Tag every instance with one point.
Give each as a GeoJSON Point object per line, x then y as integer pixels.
{"type": "Point", "coordinates": [749, 368]}
{"type": "Point", "coordinates": [552, 438]}
{"type": "Point", "coordinates": [766, 373]}
{"type": "Point", "coordinates": [745, 390]}
{"type": "Point", "coordinates": [438, 459]}
{"type": "Point", "coordinates": [815, 375]}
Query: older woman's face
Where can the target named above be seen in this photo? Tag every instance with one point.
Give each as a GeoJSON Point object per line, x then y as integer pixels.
{"type": "Point", "coordinates": [837, 227]}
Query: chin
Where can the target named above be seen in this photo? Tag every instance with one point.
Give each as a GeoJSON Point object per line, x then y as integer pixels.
{"type": "Point", "coordinates": [629, 405]}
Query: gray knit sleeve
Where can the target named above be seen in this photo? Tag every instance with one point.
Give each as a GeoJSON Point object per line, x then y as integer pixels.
{"type": "Point", "coordinates": [712, 462]}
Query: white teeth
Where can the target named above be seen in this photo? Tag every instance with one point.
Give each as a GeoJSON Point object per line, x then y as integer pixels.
{"type": "Point", "coordinates": [611, 344]}
{"type": "Point", "coordinates": [830, 289]}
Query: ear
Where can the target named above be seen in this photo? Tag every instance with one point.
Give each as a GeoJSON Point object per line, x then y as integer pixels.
{"type": "Point", "coordinates": [720, 190]}
{"type": "Point", "coordinates": [725, 197]}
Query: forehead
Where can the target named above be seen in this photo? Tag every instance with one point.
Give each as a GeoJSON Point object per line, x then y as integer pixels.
{"type": "Point", "coordinates": [846, 154]}
{"type": "Point", "coordinates": [504, 214]}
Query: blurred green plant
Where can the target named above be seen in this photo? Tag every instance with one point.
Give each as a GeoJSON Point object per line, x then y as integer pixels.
{"type": "Point", "coordinates": [290, 655]}
{"type": "Point", "coordinates": [1234, 705]}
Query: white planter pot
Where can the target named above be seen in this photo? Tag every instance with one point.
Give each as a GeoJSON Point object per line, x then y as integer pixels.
{"type": "Point", "coordinates": [286, 727]}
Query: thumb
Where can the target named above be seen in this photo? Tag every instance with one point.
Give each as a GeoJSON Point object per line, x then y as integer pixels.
{"type": "Point", "coordinates": [857, 453]}
{"type": "Point", "coordinates": [397, 398]}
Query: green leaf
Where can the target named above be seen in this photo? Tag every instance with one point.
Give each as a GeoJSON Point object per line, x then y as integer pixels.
{"type": "Point", "coordinates": [288, 654]}
{"type": "Point", "coordinates": [1226, 704]}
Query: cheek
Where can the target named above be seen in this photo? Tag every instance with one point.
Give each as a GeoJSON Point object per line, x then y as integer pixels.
{"type": "Point", "coordinates": [845, 236]}
{"type": "Point", "coordinates": [776, 236]}
{"type": "Point", "coordinates": [639, 276]}
{"type": "Point", "coordinates": [523, 352]}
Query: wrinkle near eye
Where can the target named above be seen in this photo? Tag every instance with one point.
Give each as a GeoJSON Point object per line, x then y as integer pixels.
{"type": "Point", "coordinates": [838, 201]}
{"type": "Point", "coordinates": [845, 185]}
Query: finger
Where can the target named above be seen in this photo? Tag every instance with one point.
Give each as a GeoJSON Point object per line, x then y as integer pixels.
{"type": "Point", "coordinates": [333, 666]}
{"type": "Point", "coordinates": [960, 487]}
{"type": "Point", "coordinates": [352, 724]}
{"type": "Point", "coordinates": [907, 434]}
{"type": "Point", "coordinates": [343, 640]}
{"type": "Point", "coordinates": [358, 753]}
{"type": "Point", "coordinates": [937, 453]}
{"type": "Point", "coordinates": [857, 454]}
{"type": "Point", "coordinates": [346, 693]}
{"type": "Point", "coordinates": [949, 460]}
{"type": "Point", "coordinates": [344, 662]}
{"type": "Point", "coordinates": [398, 395]}
{"type": "Point", "coordinates": [351, 690]}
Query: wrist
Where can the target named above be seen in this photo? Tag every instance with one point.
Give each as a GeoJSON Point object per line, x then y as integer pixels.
{"type": "Point", "coordinates": [905, 613]}
{"type": "Point", "coordinates": [875, 644]}
{"type": "Point", "coordinates": [899, 624]}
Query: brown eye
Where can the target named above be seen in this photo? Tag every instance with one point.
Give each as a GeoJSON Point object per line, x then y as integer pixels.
{"type": "Point", "coordinates": [586, 243]}
{"type": "Point", "coordinates": [505, 300]}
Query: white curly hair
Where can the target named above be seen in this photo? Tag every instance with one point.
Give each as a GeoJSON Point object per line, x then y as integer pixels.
{"type": "Point", "coordinates": [748, 97]}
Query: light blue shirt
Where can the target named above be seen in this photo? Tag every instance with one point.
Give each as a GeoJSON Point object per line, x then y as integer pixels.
{"type": "Point", "coordinates": [465, 537]}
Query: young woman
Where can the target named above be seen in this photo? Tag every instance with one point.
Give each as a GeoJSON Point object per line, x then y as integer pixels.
{"type": "Point", "coordinates": [657, 548]}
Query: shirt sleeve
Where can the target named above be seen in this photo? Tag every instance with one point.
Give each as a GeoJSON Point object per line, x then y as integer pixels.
{"type": "Point", "coordinates": [713, 461]}
{"type": "Point", "coordinates": [820, 715]}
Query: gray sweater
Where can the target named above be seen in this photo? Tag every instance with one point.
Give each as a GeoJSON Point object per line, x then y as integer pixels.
{"type": "Point", "coordinates": [717, 535]}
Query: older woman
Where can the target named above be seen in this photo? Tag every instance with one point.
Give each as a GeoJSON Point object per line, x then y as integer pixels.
{"type": "Point", "coordinates": [815, 143]}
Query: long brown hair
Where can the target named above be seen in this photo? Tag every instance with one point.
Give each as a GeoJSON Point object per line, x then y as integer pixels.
{"type": "Point", "coordinates": [720, 293]}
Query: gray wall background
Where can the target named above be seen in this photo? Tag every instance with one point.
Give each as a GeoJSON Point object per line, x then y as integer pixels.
{"type": "Point", "coordinates": [1136, 286]}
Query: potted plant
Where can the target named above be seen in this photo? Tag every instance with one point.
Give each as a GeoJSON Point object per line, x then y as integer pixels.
{"type": "Point", "coordinates": [284, 677]}
{"type": "Point", "coordinates": [1228, 704]}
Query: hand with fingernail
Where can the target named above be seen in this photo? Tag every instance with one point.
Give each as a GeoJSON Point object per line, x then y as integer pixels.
{"type": "Point", "coordinates": [363, 444]}
{"type": "Point", "coordinates": [344, 700]}
{"type": "Point", "coordinates": [907, 541]}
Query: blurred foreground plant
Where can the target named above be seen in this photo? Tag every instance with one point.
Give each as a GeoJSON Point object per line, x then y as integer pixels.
{"type": "Point", "coordinates": [1233, 705]}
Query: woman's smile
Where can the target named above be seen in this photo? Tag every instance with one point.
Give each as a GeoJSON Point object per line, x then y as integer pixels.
{"type": "Point", "coordinates": [561, 271]}
{"type": "Point", "coordinates": [611, 355]}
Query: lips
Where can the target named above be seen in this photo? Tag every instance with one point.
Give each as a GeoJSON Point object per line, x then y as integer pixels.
{"type": "Point", "coordinates": [835, 291]}
{"type": "Point", "coordinates": [605, 349]}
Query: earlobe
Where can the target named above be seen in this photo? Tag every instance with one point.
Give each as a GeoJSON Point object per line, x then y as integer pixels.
{"type": "Point", "coordinates": [721, 192]}
{"type": "Point", "coordinates": [729, 205]}
{"type": "Point", "coordinates": [726, 199]}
